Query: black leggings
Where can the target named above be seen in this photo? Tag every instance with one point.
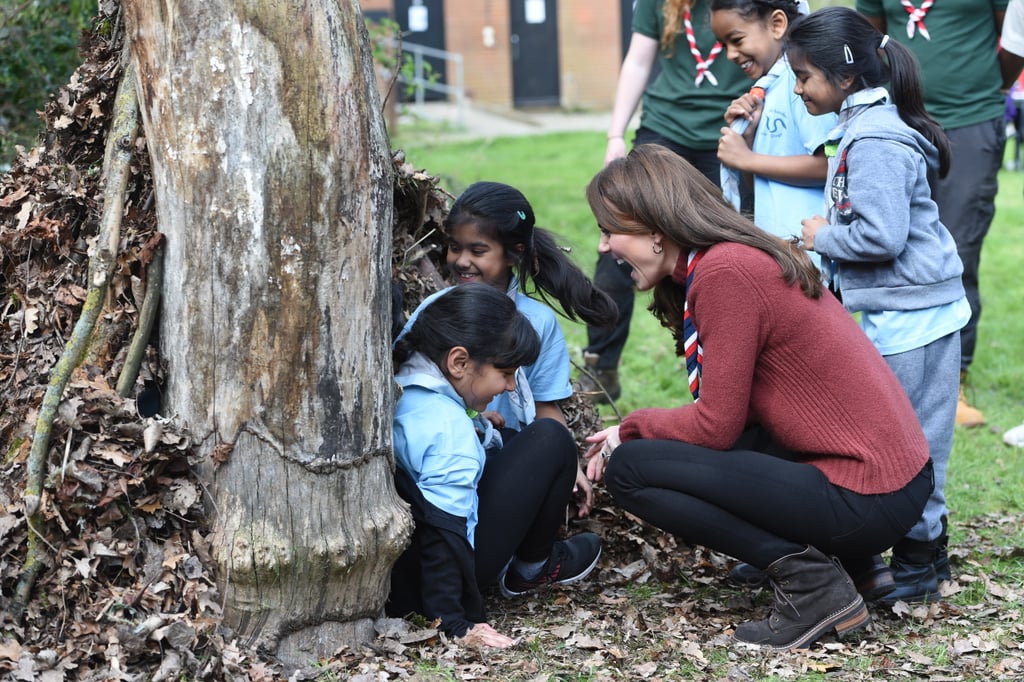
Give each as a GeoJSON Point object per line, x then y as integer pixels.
{"type": "Point", "coordinates": [754, 506]}
{"type": "Point", "coordinates": [523, 494]}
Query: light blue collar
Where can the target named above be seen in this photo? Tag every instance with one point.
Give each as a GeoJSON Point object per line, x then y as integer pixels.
{"type": "Point", "coordinates": [853, 106]}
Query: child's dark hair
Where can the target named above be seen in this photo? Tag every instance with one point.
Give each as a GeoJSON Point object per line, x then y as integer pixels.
{"type": "Point", "coordinates": [504, 213]}
{"type": "Point", "coordinates": [758, 9]}
{"type": "Point", "coordinates": [843, 44]}
{"type": "Point", "coordinates": [478, 317]}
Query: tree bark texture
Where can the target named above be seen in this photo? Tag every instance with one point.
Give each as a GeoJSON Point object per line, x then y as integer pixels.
{"type": "Point", "coordinates": [272, 177]}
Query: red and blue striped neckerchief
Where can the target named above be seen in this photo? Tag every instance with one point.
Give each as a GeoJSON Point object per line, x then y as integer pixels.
{"type": "Point", "coordinates": [692, 349]}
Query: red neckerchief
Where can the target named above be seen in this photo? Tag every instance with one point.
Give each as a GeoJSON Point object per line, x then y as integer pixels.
{"type": "Point", "coordinates": [704, 65]}
{"type": "Point", "coordinates": [916, 20]}
{"type": "Point", "coordinates": [692, 349]}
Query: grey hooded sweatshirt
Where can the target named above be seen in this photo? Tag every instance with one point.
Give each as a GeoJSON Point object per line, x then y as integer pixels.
{"type": "Point", "coordinates": [884, 234]}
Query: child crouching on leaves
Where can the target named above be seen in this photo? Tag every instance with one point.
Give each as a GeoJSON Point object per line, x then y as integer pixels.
{"type": "Point", "coordinates": [491, 237]}
{"type": "Point", "coordinates": [485, 512]}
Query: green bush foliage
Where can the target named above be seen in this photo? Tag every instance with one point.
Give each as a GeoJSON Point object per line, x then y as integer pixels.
{"type": "Point", "coordinates": [38, 52]}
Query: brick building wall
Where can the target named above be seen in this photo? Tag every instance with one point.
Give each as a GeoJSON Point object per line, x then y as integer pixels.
{"type": "Point", "coordinates": [590, 52]}
{"type": "Point", "coordinates": [589, 49]}
{"type": "Point", "coordinates": [488, 68]}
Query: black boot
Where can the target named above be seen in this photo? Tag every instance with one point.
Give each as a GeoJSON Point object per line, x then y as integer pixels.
{"type": "Point", "coordinates": [602, 385]}
{"type": "Point", "coordinates": [872, 577]}
{"type": "Point", "coordinates": [813, 595]}
{"type": "Point", "coordinates": [941, 561]}
{"type": "Point", "coordinates": [913, 567]}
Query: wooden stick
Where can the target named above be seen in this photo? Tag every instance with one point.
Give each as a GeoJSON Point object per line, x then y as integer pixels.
{"type": "Point", "coordinates": [120, 142]}
{"type": "Point", "coordinates": [147, 315]}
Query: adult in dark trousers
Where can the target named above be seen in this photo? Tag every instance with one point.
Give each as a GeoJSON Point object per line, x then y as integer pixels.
{"type": "Point", "coordinates": [682, 110]}
{"type": "Point", "coordinates": [837, 465]}
{"type": "Point", "coordinates": [955, 45]}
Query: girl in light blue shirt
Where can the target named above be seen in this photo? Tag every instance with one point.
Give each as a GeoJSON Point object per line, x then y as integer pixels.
{"type": "Point", "coordinates": [485, 511]}
{"type": "Point", "coordinates": [782, 147]}
{"type": "Point", "coordinates": [491, 237]}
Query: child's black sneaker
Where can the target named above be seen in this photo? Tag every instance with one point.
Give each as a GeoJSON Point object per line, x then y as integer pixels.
{"type": "Point", "coordinates": [570, 561]}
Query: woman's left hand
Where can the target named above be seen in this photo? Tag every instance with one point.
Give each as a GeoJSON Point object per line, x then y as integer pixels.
{"type": "Point", "coordinates": [603, 443]}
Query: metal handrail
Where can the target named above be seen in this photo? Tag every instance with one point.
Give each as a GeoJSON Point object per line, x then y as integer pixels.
{"type": "Point", "coordinates": [422, 84]}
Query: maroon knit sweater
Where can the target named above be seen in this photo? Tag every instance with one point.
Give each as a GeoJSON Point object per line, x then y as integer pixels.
{"type": "Point", "coordinates": [800, 368]}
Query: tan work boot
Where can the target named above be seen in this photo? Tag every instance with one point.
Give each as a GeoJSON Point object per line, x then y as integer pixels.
{"type": "Point", "coordinates": [602, 385]}
{"type": "Point", "coordinates": [966, 415]}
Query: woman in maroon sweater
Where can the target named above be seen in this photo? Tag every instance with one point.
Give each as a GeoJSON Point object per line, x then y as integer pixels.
{"type": "Point", "coordinates": [800, 444]}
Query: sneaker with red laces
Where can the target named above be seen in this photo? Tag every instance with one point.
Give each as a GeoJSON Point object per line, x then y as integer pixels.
{"type": "Point", "coordinates": [571, 560]}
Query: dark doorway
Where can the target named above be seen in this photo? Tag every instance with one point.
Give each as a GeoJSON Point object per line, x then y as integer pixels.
{"type": "Point", "coordinates": [422, 23]}
{"type": "Point", "coordinates": [534, 38]}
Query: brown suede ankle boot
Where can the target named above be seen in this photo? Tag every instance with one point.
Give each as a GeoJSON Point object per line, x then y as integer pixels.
{"type": "Point", "coordinates": [966, 415]}
{"type": "Point", "coordinates": [813, 595]}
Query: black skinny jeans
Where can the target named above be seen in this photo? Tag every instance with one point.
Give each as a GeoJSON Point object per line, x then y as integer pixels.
{"type": "Point", "coordinates": [757, 507]}
{"type": "Point", "coordinates": [523, 494]}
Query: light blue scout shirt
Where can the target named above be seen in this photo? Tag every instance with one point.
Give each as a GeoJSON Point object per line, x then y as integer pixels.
{"type": "Point", "coordinates": [546, 380]}
{"type": "Point", "coordinates": [436, 441]}
{"type": "Point", "coordinates": [787, 129]}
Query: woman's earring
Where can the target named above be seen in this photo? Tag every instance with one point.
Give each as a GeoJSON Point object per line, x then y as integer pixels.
{"type": "Point", "coordinates": [656, 247]}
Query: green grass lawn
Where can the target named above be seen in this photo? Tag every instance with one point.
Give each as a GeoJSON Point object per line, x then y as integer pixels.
{"type": "Point", "coordinates": [553, 170]}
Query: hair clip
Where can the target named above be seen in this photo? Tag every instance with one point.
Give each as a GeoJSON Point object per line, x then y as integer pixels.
{"type": "Point", "coordinates": [848, 53]}
{"type": "Point", "coordinates": [521, 214]}
{"type": "Point", "coordinates": [885, 41]}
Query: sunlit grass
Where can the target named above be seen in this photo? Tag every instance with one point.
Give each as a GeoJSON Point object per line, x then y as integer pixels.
{"type": "Point", "coordinates": [553, 171]}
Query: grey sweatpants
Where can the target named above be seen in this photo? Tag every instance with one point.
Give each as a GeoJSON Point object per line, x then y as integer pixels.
{"type": "Point", "coordinates": [930, 376]}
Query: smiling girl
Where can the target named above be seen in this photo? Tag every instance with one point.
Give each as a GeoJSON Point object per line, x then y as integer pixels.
{"type": "Point", "coordinates": [782, 148]}
{"type": "Point", "coordinates": [895, 262]}
{"type": "Point", "coordinates": [491, 238]}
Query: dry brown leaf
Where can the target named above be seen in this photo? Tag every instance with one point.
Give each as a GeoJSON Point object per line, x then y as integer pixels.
{"type": "Point", "coordinates": [10, 649]}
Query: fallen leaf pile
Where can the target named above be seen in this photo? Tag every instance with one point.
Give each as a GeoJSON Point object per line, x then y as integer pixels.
{"type": "Point", "coordinates": [127, 593]}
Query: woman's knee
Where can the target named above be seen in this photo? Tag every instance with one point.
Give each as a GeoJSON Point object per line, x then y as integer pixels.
{"type": "Point", "coordinates": [621, 475]}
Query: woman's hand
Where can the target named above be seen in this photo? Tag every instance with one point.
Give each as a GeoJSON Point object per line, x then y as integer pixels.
{"type": "Point", "coordinates": [483, 634]}
{"type": "Point", "coordinates": [603, 443]}
{"type": "Point", "coordinates": [616, 149]}
{"type": "Point", "coordinates": [810, 229]}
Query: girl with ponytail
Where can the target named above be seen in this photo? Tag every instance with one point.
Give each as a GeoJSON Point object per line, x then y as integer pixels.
{"type": "Point", "coordinates": [491, 237]}
{"type": "Point", "coordinates": [889, 255]}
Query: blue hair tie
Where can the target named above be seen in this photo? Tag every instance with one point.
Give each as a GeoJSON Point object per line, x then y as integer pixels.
{"type": "Point", "coordinates": [521, 214]}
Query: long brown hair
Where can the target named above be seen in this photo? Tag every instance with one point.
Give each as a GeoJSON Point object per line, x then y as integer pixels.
{"type": "Point", "coordinates": [653, 188]}
{"type": "Point", "coordinates": [672, 12]}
